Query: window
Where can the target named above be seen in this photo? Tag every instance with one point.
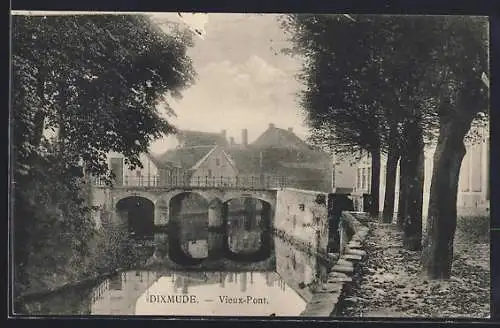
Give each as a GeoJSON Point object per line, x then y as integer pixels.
{"type": "Point", "coordinates": [487, 173]}
{"type": "Point", "coordinates": [476, 167]}
{"type": "Point", "coordinates": [116, 164]}
{"type": "Point", "coordinates": [363, 178]}
{"type": "Point", "coordinates": [217, 161]}
{"type": "Point", "coordinates": [465, 173]}
{"type": "Point", "coordinates": [369, 178]}
{"type": "Point", "coordinates": [209, 173]}
{"type": "Point", "coordinates": [138, 173]}
{"type": "Point", "coordinates": [359, 178]}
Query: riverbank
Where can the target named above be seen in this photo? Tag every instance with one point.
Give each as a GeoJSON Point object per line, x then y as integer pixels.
{"type": "Point", "coordinates": [108, 251]}
{"type": "Point", "coordinates": [391, 283]}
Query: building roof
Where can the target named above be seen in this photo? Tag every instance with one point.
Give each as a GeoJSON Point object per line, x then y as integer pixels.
{"type": "Point", "coordinates": [276, 137]}
{"type": "Point", "coordinates": [199, 138]}
{"type": "Point", "coordinates": [185, 157]}
{"type": "Point", "coordinates": [276, 152]}
{"type": "Point", "coordinates": [155, 160]}
{"type": "Point", "coordinates": [247, 160]}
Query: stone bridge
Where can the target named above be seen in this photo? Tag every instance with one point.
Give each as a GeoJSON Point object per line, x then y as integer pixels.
{"type": "Point", "coordinates": [163, 217]}
{"type": "Point", "coordinates": [303, 215]}
{"type": "Point", "coordinates": [161, 198]}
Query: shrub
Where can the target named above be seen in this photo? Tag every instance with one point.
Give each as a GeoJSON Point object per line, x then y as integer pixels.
{"type": "Point", "coordinates": [473, 228]}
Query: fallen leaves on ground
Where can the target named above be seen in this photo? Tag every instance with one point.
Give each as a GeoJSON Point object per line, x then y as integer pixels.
{"type": "Point", "coordinates": [391, 283]}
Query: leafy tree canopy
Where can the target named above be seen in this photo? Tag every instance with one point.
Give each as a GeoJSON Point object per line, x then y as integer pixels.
{"type": "Point", "coordinates": [98, 81]}
{"type": "Point", "coordinates": [368, 74]}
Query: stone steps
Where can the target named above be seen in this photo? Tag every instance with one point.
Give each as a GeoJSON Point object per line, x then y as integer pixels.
{"type": "Point", "coordinates": [353, 257]}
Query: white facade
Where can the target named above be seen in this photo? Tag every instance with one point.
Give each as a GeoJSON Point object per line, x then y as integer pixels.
{"type": "Point", "coordinates": [216, 164]}
{"type": "Point", "coordinates": [473, 192]}
{"type": "Point", "coordinates": [145, 176]}
{"type": "Point", "coordinates": [344, 171]}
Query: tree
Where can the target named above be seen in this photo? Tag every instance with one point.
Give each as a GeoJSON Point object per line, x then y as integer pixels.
{"type": "Point", "coordinates": [432, 70]}
{"type": "Point", "coordinates": [344, 59]}
{"type": "Point", "coordinates": [94, 77]}
{"type": "Point", "coordinates": [97, 82]}
{"type": "Point", "coordinates": [461, 58]}
{"type": "Point", "coordinates": [338, 71]}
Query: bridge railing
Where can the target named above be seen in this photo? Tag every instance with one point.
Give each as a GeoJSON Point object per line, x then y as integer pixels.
{"type": "Point", "coordinates": [251, 182]}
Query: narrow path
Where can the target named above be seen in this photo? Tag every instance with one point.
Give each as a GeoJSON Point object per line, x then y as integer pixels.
{"type": "Point", "coordinates": [391, 283]}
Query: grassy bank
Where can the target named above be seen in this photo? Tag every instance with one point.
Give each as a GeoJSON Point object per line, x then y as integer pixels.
{"type": "Point", "coordinates": [106, 251]}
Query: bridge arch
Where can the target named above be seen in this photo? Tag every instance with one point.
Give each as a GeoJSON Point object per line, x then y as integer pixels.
{"type": "Point", "coordinates": [137, 213]}
{"type": "Point", "coordinates": [268, 199]}
{"type": "Point", "coordinates": [248, 236]}
{"type": "Point", "coordinates": [188, 213]}
{"type": "Point", "coordinates": [118, 196]}
{"type": "Point", "coordinates": [169, 195]}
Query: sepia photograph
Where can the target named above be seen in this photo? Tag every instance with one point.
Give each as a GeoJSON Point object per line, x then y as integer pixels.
{"type": "Point", "coordinates": [170, 164]}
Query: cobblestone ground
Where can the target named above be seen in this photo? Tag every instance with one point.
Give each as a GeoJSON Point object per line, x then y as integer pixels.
{"type": "Point", "coordinates": [391, 283]}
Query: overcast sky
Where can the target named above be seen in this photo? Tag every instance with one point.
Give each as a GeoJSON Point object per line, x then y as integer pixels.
{"type": "Point", "coordinates": [243, 82]}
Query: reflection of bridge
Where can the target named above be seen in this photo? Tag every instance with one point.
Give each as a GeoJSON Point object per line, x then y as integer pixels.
{"type": "Point", "coordinates": [120, 294]}
{"type": "Point", "coordinates": [161, 208]}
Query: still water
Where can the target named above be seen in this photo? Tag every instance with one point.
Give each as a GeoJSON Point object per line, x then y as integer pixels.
{"type": "Point", "coordinates": [283, 291]}
{"type": "Point", "coordinates": [200, 293]}
{"type": "Point", "coordinates": [281, 287]}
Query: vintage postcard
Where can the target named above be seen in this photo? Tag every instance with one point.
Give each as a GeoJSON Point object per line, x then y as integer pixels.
{"type": "Point", "coordinates": [264, 165]}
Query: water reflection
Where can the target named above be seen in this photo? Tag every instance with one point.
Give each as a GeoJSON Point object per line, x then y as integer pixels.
{"type": "Point", "coordinates": [255, 273]}
{"type": "Point", "coordinates": [283, 291]}
{"type": "Point", "coordinates": [243, 236]}
{"type": "Point", "coordinates": [301, 271]}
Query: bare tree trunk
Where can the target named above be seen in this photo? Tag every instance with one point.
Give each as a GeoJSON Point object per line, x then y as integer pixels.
{"type": "Point", "coordinates": [375, 182]}
{"type": "Point", "coordinates": [403, 188]}
{"type": "Point", "coordinates": [437, 254]}
{"type": "Point", "coordinates": [412, 219]}
{"type": "Point", "coordinates": [390, 183]}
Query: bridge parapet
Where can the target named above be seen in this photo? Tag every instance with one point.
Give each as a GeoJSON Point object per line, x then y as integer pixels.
{"type": "Point", "coordinates": [245, 182]}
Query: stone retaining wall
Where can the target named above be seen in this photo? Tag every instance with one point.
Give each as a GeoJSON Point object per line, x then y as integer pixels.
{"type": "Point", "coordinates": [303, 216]}
{"type": "Point", "coordinates": [327, 299]}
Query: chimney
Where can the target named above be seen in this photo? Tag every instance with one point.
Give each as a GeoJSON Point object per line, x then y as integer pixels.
{"type": "Point", "coordinates": [271, 125]}
{"type": "Point", "coordinates": [244, 137]}
{"type": "Point", "coordinates": [290, 129]}
{"type": "Point", "coordinates": [231, 141]}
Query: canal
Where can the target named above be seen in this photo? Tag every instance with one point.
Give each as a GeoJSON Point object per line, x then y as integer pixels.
{"type": "Point", "coordinates": [281, 288]}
